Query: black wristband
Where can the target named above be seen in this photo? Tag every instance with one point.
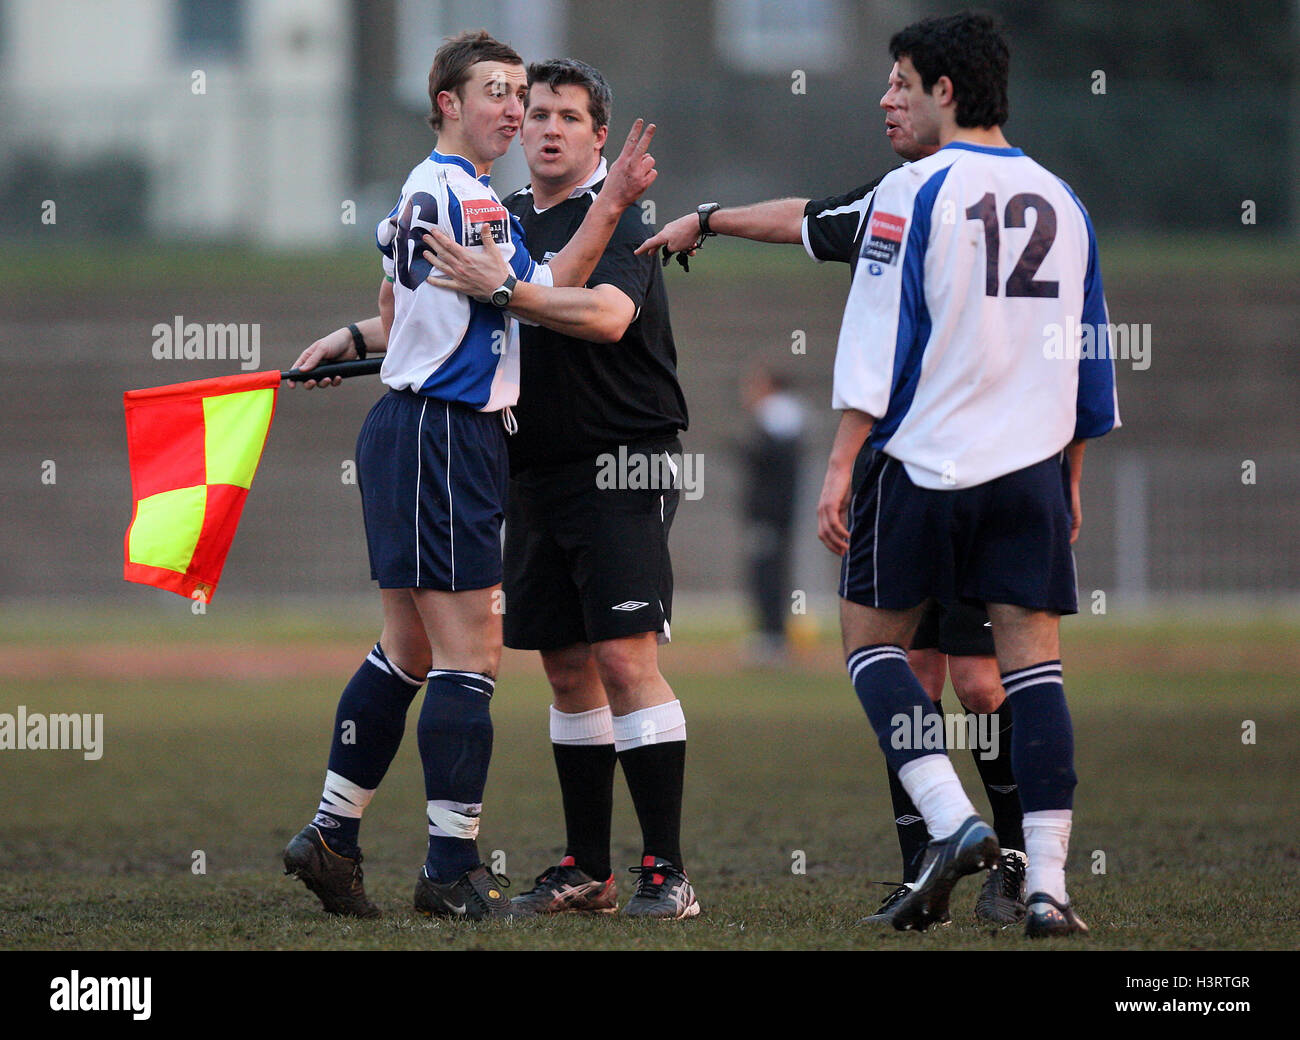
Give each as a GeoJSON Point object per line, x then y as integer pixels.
{"type": "Point", "coordinates": [704, 212]}
{"type": "Point", "coordinates": [358, 341]}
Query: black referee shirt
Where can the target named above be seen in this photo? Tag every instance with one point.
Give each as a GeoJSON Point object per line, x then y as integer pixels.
{"type": "Point", "coordinates": [833, 227]}
{"type": "Point", "coordinates": [833, 230]}
{"type": "Point", "coordinates": [578, 399]}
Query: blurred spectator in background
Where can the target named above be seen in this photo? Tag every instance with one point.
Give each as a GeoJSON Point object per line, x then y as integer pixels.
{"type": "Point", "coordinates": [772, 454]}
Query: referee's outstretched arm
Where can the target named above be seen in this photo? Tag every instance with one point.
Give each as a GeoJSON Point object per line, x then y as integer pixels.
{"type": "Point", "coordinates": [777, 220]}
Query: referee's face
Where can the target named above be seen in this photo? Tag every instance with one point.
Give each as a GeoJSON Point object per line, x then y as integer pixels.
{"type": "Point", "coordinates": [905, 107]}
{"type": "Point", "coordinates": [561, 144]}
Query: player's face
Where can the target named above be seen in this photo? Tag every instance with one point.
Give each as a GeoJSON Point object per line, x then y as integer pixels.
{"type": "Point", "coordinates": [561, 143]}
{"type": "Point", "coordinates": [911, 115]}
{"type": "Point", "coordinates": [492, 109]}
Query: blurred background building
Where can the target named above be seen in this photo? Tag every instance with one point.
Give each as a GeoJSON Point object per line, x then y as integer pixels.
{"type": "Point", "coordinates": [252, 119]}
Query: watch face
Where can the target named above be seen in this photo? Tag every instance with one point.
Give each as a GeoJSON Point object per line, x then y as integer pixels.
{"type": "Point", "coordinates": [501, 297]}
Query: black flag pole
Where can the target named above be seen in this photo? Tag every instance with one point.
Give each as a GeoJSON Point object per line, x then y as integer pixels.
{"type": "Point", "coordinates": [338, 368]}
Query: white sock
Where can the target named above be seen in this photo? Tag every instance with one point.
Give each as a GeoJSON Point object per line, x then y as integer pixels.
{"type": "Point", "coordinates": [657, 724]}
{"type": "Point", "coordinates": [1047, 840]}
{"type": "Point", "coordinates": [937, 794]}
{"type": "Point", "coordinates": [583, 727]}
{"type": "Point", "coordinates": [449, 819]}
{"type": "Point", "coordinates": [342, 797]}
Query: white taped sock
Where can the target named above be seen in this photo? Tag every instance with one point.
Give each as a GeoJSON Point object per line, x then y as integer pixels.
{"type": "Point", "coordinates": [341, 797]}
{"type": "Point", "coordinates": [932, 784]}
{"type": "Point", "coordinates": [1047, 841]}
{"type": "Point", "coordinates": [454, 819]}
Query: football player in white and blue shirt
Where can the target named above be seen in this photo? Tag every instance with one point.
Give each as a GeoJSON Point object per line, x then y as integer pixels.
{"type": "Point", "coordinates": [443, 344]}
{"type": "Point", "coordinates": [432, 470]}
{"type": "Point", "coordinates": [974, 261]}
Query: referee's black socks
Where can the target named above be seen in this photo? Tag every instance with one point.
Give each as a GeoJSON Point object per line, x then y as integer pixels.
{"type": "Point", "coordinates": [1000, 782]}
{"type": "Point", "coordinates": [651, 745]}
{"type": "Point", "coordinates": [583, 743]}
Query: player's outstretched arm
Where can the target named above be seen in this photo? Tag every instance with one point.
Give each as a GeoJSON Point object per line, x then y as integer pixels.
{"type": "Point", "coordinates": [338, 346]}
{"type": "Point", "coordinates": [833, 506]}
{"type": "Point", "coordinates": [598, 315]}
{"type": "Point", "coordinates": [777, 220]}
{"type": "Point", "coordinates": [630, 175]}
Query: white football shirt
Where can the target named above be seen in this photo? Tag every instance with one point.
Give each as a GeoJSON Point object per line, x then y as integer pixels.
{"type": "Point", "coordinates": [444, 344]}
{"type": "Point", "coordinates": [975, 263]}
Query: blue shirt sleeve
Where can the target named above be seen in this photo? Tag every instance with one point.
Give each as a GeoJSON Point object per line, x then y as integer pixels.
{"type": "Point", "coordinates": [1095, 411]}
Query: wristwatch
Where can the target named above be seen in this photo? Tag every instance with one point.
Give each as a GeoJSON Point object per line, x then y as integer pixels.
{"type": "Point", "coordinates": [501, 298]}
{"type": "Point", "coordinates": [705, 211]}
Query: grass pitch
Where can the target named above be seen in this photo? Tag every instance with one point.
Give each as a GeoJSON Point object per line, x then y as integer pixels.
{"type": "Point", "coordinates": [213, 757]}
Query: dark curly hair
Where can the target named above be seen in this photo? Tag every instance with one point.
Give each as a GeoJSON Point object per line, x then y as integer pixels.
{"type": "Point", "coordinates": [969, 49]}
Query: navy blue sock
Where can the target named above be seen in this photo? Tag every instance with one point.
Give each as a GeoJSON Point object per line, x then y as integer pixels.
{"type": "Point", "coordinates": [368, 728]}
{"type": "Point", "coordinates": [895, 703]}
{"type": "Point", "coordinates": [1042, 738]}
{"type": "Point", "coordinates": [455, 747]}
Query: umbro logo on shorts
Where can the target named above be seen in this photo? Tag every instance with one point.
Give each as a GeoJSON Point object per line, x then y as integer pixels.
{"type": "Point", "coordinates": [630, 604]}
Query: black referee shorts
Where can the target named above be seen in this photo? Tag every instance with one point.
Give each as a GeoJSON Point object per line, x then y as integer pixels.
{"type": "Point", "coordinates": [585, 563]}
{"type": "Point", "coordinates": [958, 629]}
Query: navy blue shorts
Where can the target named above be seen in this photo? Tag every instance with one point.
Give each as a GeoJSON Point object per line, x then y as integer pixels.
{"type": "Point", "coordinates": [1004, 541]}
{"type": "Point", "coordinates": [433, 485]}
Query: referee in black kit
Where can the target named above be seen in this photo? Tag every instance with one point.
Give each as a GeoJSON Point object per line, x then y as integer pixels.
{"type": "Point", "coordinates": [588, 580]}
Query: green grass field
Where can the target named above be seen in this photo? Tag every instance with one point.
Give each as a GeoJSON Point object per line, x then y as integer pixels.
{"type": "Point", "coordinates": [1184, 835]}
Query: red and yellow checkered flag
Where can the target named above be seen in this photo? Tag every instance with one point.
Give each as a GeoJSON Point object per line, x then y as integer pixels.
{"type": "Point", "coordinates": [194, 448]}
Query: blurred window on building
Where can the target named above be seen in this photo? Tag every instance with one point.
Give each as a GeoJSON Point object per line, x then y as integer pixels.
{"type": "Point", "coordinates": [535, 28]}
{"type": "Point", "coordinates": [210, 28]}
{"type": "Point", "coordinates": [781, 35]}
